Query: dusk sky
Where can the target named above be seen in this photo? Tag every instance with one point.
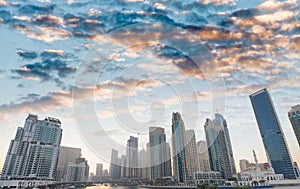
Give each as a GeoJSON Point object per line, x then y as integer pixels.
{"type": "Point", "coordinates": [111, 69]}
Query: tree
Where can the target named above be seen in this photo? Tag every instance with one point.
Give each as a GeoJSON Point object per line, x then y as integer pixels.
{"type": "Point", "coordinates": [202, 186]}
{"type": "Point", "coordinates": [262, 182]}
{"type": "Point", "coordinates": [255, 183]}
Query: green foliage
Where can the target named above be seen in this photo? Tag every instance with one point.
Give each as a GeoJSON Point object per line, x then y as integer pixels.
{"type": "Point", "coordinates": [202, 186]}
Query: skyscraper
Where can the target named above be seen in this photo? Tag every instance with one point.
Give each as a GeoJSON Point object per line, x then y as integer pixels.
{"type": "Point", "coordinates": [132, 157]}
{"type": "Point", "coordinates": [219, 120]}
{"type": "Point", "coordinates": [143, 164]}
{"type": "Point", "coordinates": [99, 169]}
{"type": "Point", "coordinates": [159, 152]}
{"type": "Point", "coordinates": [271, 133]}
{"type": "Point", "coordinates": [66, 155]}
{"type": "Point", "coordinates": [217, 149]}
{"type": "Point", "coordinates": [294, 116]}
{"type": "Point", "coordinates": [191, 153]}
{"type": "Point", "coordinates": [167, 164]}
{"type": "Point", "coordinates": [87, 167]}
{"type": "Point", "coordinates": [115, 168]}
{"type": "Point", "coordinates": [178, 149]}
{"type": "Point", "coordinates": [123, 166]}
{"type": "Point", "coordinates": [34, 151]}
{"type": "Point", "coordinates": [77, 171]}
{"type": "Point", "coordinates": [203, 157]}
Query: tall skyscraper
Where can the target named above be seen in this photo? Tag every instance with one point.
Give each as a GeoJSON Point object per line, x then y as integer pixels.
{"type": "Point", "coordinates": [167, 164]}
{"type": "Point", "coordinates": [271, 133]}
{"type": "Point", "coordinates": [191, 153]}
{"type": "Point", "coordinates": [87, 167]}
{"type": "Point", "coordinates": [66, 155]}
{"type": "Point", "coordinates": [148, 162]}
{"type": "Point", "coordinates": [178, 149]}
{"type": "Point", "coordinates": [132, 157]}
{"type": "Point", "coordinates": [123, 166]}
{"type": "Point", "coordinates": [99, 169]}
{"type": "Point", "coordinates": [143, 164]}
{"type": "Point", "coordinates": [294, 116]}
{"type": "Point", "coordinates": [115, 168]}
{"type": "Point", "coordinates": [159, 152]}
{"type": "Point", "coordinates": [203, 157]}
{"type": "Point", "coordinates": [34, 151]}
{"type": "Point", "coordinates": [77, 171]}
{"type": "Point", "coordinates": [217, 149]}
{"type": "Point", "coordinates": [219, 120]}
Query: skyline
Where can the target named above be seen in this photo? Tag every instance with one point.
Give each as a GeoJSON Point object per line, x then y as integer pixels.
{"type": "Point", "coordinates": [218, 121]}
{"type": "Point", "coordinates": [43, 43]}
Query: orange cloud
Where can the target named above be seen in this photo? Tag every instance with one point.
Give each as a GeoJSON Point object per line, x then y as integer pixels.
{"type": "Point", "coordinates": [218, 2]}
{"type": "Point", "coordinates": [49, 19]}
{"type": "Point", "coordinates": [213, 34]}
{"type": "Point", "coordinates": [3, 3]}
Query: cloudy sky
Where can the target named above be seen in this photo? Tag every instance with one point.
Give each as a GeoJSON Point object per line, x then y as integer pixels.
{"type": "Point", "coordinates": [111, 69]}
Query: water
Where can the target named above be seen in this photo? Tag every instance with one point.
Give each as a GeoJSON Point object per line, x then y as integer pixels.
{"type": "Point", "coordinates": [113, 187]}
{"type": "Point", "coordinates": [137, 187]}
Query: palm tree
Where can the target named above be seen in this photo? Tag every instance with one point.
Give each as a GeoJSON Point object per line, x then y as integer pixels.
{"type": "Point", "coordinates": [255, 183]}
{"type": "Point", "coordinates": [262, 182]}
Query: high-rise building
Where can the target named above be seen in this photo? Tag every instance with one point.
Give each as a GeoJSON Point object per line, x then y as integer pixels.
{"type": "Point", "coordinates": [143, 164]}
{"type": "Point", "coordinates": [34, 151]}
{"type": "Point", "coordinates": [217, 149]}
{"type": "Point", "coordinates": [203, 157]}
{"type": "Point", "coordinates": [271, 133]}
{"type": "Point", "coordinates": [132, 157]}
{"type": "Point", "coordinates": [167, 164]}
{"type": "Point", "coordinates": [66, 155]}
{"type": "Point", "coordinates": [191, 153]}
{"type": "Point", "coordinates": [87, 167]}
{"type": "Point", "coordinates": [148, 162]}
{"type": "Point", "coordinates": [159, 152]}
{"type": "Point", "coordinates": [105, 174]}
{"type": "Point", "coordinates": [178, 148]}
{"type": "Point", "coordinates": [123, 167]}
{"type": "Point", "coordinates": [219, 120]}
{"type": "Point", "coordinates": [76, 172]}
{"type": "Point", "coordinates": [115, 168]}
{"type": "Point", "coordinates": [294, 116]}
{"type": "Point", "coordinates": [99, 169]}
{"type": "Point", "coordinates": [244, 164]}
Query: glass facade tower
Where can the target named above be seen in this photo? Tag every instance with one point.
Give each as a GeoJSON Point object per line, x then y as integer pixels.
{"type": "Point", "coordinates": [178, 148]}
{"type": "Point", "coordinates": [294, 116]}
{"type": "Point", "coordinates": [217, 149]}
{"type": "Point", "coordinates": [132, 157]}
{"type": "Point", "coordinates": [271, 133]}
{"type": "Point", "coordinates": [159, 153]}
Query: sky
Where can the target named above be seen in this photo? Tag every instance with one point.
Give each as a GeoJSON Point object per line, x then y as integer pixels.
{"type": "Point", "coordinates": [112, 69]}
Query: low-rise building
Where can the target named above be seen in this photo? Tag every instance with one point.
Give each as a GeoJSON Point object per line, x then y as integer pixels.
{"type": "Point", "coordinates": [257, 177]}
{"type": "Point", "coordinates": [210, 178]}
